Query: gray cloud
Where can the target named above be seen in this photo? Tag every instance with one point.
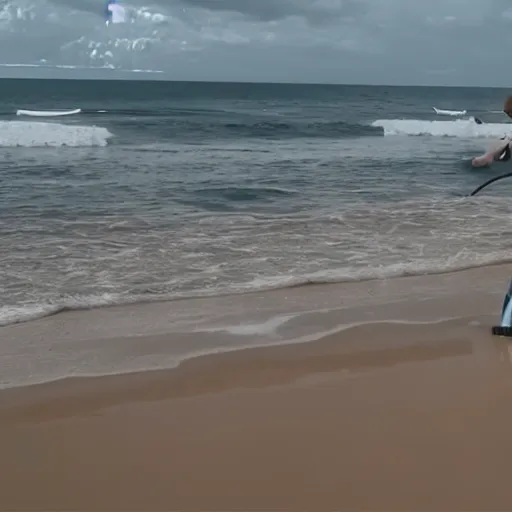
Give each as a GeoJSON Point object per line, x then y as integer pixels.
{"type": "Point", "coordinates": [315, 12]}
{"type": "Point", "coordinates": [378, 41]}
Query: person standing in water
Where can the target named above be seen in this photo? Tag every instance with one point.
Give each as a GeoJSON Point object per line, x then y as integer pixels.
{"type": "Point", "coordinates": [501, 153]}
{"type": "Point", "coordinates": [505, 153]}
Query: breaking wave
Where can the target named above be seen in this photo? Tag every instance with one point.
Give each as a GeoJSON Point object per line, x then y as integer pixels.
{"type": "Point", "coordinates": [41, 134]}
{"type": "Point", "coordinates": [13, 314]}
{"type": "Point", "coordinates": [463, 128]}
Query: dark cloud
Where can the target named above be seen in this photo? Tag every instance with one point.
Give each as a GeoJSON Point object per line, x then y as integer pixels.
{"type": "Point", "coordinates": [314, 11]}
{"type": "Point", "coordinates": [265, 10]}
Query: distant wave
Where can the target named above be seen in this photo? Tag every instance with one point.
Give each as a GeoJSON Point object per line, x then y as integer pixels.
{"type": "Point", "coordinates": [199, 121]}
{"type": "Point", "coordinates": [13, 314]}
{"type": "Point", "coordinates": [185, 121]}
{"type": "Point", "coordinates": [318, 129]}
{"type": "Point", "coordinates": [40, 134]}
{"type": "Point", "coordinates": [463, 128]}
{"type": "Point", "coordinates": [210, 123]}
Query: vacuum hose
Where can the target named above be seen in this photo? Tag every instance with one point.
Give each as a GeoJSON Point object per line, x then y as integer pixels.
{"type": "Point", "coordinates": [488, 182]}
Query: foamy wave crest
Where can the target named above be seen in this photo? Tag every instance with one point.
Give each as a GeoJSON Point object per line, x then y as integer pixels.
{"type": "Point", "coordinates": [14, 314]}
{"type": "Point", "coordinates": [40, 134]}
{"type": "Point", "coordinates": [331, 276]}
{"type": "Point", "coordinates": [463, 128]}
{"type": "Point", "coordinates": [17, 314]}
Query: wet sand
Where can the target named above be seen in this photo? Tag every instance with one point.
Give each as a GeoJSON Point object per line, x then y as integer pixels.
{"type": "Point", "coordinates": [376, 417]}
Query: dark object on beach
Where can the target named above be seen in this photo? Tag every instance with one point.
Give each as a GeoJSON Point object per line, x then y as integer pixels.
{"type": "Point", "coordinates": [478, 121]}
{"type": "Point", "coordinates": [492, 180]}
{"type": "Point", "coordinates": [498, 330]}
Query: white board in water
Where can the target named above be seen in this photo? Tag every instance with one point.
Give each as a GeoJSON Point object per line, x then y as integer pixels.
{"type": "Point", "coordinates": [442, 112]}
{"type": "Point", "coordinates": [47, 113]}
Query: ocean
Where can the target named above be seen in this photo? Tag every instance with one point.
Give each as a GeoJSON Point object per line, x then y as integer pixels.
{"type": "Point", "coordinates": [162, 191]}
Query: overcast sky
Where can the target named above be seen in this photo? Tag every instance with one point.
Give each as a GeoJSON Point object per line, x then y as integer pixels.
{"type": "Point", "coordinates": [452, 42]}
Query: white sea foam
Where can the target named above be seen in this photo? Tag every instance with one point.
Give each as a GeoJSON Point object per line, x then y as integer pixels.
{"type": "Point", "coordinates": [24, 313]}
{"type": "Point", "coordinates": [462, 128]}
{"type": "Point", "coordinates": [38, 134]}
{"type": "Point", "coordinates": [267, 327]}
{"type": "Point", "coordinates": [32, 311]}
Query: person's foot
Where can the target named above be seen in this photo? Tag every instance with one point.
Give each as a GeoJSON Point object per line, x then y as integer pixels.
{"type": "Point", "coordinates": [482, 161]}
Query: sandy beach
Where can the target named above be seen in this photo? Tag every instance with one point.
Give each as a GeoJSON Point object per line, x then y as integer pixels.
{"type": "Point", "coordinates": [408, 411]}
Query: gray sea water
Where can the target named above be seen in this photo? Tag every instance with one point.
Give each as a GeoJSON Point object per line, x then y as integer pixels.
{"type": "Point", "coordinates": [161, 190]}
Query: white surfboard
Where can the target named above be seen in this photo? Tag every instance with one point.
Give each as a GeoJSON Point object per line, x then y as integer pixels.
{"type": "Point", "coordinates": [47, 113]}
{"type": "Point", "coordinates": [441, 112]}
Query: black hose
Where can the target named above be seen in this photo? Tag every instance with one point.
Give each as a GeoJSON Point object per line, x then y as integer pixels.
{"type": "Point", "coordinates": [488, 182]}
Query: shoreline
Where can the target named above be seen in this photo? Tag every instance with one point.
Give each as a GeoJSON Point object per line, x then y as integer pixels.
{"type": "Point", "coordinates": [348, 348]}
{"type": "Point", "coordinates": [54, 310]}
{"type": "Point", "coordinates": [157, 336]}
